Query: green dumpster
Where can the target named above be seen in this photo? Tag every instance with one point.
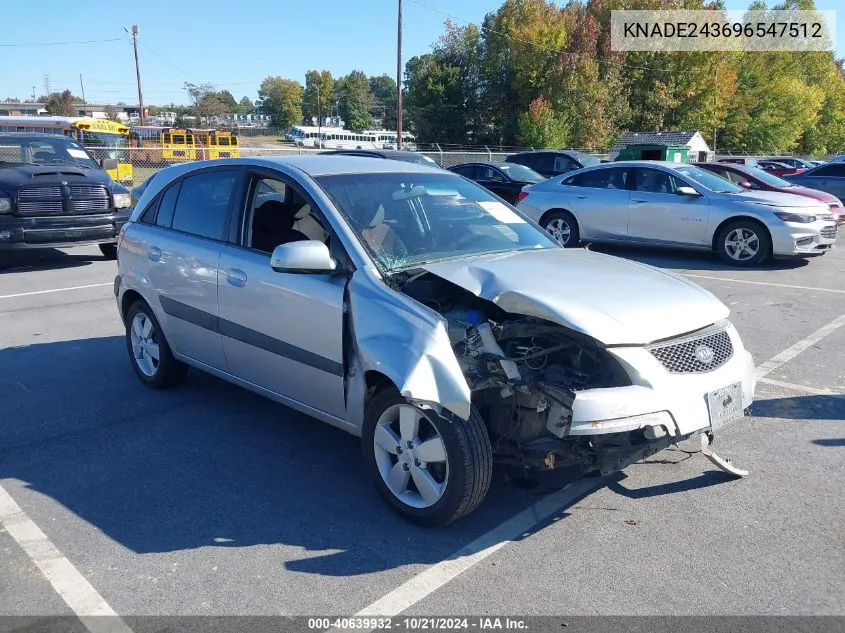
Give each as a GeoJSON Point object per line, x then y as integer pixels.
{"type": "Point", "coordinates": [655, 151]}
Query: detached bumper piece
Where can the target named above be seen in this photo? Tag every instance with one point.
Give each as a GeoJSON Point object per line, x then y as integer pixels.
{"type": "Point", "coordinates": [719, 462]}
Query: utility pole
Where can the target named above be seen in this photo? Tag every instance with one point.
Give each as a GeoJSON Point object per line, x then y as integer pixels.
{"type": "Point", "coordinates": [82, 87]}
{"type": "Point", "coordinates": [46, 84]}
{"type": "Point", "coordinates": [319, 118]}
{"type": "Point", "coordinates": [399, 79]}
{"type": "Point", "coordinates": [715, 104]}
{"type": "Point", "coordinates": [134, 33]}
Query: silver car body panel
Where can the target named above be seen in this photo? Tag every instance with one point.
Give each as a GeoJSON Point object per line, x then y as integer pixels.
{"type": "Point", "coordinates": [520, 283]}
{"type": "Point", "coordinates": [669, 219]}
{"type": "Point", "coordinates": [621, 304]}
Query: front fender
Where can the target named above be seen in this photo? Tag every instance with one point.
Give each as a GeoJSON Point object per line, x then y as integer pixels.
{"type": "Point", "coordinates": [407, 342]}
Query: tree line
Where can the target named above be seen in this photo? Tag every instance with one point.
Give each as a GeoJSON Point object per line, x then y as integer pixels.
{"type": "Point", "coordinates": [542, 75]}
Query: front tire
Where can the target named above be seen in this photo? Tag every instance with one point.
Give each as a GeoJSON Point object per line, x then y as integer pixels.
{"type": "Point", "coordinates": [743, 243]}
{"type": "Point", "coordinates": [429, 469]}
{"type": "Point", "coordinates": [6, 259]}
{"type": "Point", "coordinates": [149, 351]}
{"type": "Point", "coordinates": [562, 226]}
{"type": "Point", "coordinates": [109, 251]}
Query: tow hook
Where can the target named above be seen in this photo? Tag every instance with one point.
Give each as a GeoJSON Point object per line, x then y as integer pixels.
{"type": "Point", "coordinates": [721, 463]}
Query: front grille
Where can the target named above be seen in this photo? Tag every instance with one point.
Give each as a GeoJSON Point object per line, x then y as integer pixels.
{"type": "Point", "coordinates": [89, 191]}
{"type": "Point", "coordinates": [40, 193]}
{"type": "Point", "coordinates": [829, 232]}
{"type": "Point", "coordinates": [44, 207]}
{"type": "Point", "coordinates": [90, 206]}
{"type": "Point", "coordinates": [679, 357]}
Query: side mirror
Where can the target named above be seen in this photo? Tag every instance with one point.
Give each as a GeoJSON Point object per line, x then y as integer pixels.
{"type": "Point", "coordinates": [108, 163]}
{"type": "Point", "coordinates": [686, 191]}
{"type": "Point", "coordinates": [310, 256]}
{"type": "Point", "coordinates": [745, 184]}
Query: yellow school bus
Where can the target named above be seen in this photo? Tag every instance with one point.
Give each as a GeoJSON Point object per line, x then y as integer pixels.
{"type": "Point", "coordinates": [217, 143]}
{"type": "Point", "coordinates": [162, 144]}
{"type": "Point", "coordinates": [102, 137]}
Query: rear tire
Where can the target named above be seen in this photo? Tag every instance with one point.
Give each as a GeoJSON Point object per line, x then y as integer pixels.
{"type": "Point", "coordinates": [144, 341]}
{"type": "Point", "coordinates": [109, 251]}
{"type": "Point", "coordinates": [6, 259]}
{"type": "Point", "coordinates": [457, 477]}
{"type": "Point", "coordinates": [562, 226]}
{"type": "Point", "coordinates": [743, 243]}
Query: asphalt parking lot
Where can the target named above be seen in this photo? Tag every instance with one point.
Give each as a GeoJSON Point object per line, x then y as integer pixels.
{"type": "Point", "coordinates": [209, 500]}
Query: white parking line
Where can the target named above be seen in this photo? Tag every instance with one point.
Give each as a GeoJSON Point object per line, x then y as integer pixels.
{"type": "Point", "coordinates": [762, 283]}
{"type": "Point", "coordinates": [44, 292]}
{"type": "Point", "coordinates": [793, 350]}
{"type": "Point", "coordinates": [431, 579]}
{"type": "Point", "coordinates": [796, 387]}
{"type": "Point", "coordinates": [88, 605]}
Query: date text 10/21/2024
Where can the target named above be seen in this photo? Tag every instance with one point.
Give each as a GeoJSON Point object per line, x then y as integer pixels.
{"type": "Point", "coordinates": [419, 623]}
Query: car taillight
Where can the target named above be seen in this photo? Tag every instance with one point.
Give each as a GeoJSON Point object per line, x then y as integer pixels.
{"type": "Point", "coordinates": [522, 196]}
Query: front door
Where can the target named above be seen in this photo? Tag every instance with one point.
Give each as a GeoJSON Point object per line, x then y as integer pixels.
{"type": "Point", "coordinates": [657, 213]}
{"type": "Point", "coordinates": [282, 331]}
{"type": "Point", "coordinates": [493, 180]}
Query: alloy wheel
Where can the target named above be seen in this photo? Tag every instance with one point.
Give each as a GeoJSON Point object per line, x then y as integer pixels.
{"type": "Point", "coordinates": [559, 229]}
{"type": "Point", "coordinates": [742, 244]}
{"type": "Point", "coordinates": [411, 456]}
{"type": "Point", "coordinates": [145, 349]}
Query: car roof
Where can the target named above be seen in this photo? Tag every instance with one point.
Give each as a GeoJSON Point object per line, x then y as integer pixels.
{"type": "Point", "coordinates": [481, 162]}
{"type": "Point", "coordinates": [638, 163]}
{"type": "Point", "coordinates": [742, 167]}
{"type": "Point", "coordinates": [315, 165]}
{"type": "Point", "coordinates": [385, 153]}
{"type": "Point", "coordinates": [33, 135]}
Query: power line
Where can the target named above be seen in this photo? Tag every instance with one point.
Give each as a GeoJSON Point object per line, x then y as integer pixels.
{"type": "Point", "coordinates": [165, 60]}
{"type": "Point", "coordinates": [21, 45]}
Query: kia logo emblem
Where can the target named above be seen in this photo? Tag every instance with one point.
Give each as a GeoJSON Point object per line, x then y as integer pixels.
{"type": "Point", "coordinates": [704, 354]}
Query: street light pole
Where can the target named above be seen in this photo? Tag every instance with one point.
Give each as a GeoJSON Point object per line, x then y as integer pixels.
{"type": "Point", "coordinates": [399, 79]}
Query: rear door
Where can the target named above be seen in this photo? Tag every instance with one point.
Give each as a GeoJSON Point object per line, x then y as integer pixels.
{"type": "Point", "coordinates": [282, 331]}
{"type": "Point", "coordinates": [830, 178]}
{"type": "Point", "coordinates": [183, 251]}
{"type": "Point", "coordinates": [600, 199]}
{"type": "Point", "coordinates": [659, 214]}
{"type": "Point", "coordinates": [563, 164]}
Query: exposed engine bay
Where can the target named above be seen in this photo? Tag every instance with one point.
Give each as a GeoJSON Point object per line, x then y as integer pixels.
{"type": "Point", "coordinates": [524, 373]}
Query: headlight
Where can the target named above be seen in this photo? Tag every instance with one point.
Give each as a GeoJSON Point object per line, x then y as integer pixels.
{"type": "Point", "coordinates": [5, 205]}
{"type": "Point", "coordinates": [796, 217]}
{"type": "Point", "coordinates": [122, 200]}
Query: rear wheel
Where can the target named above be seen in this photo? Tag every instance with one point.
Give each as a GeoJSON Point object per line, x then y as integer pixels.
{"type": "Point", "coordinates": [151, 357]}
{"type": "Point", "coordinates": [743, 243]}
{"type": "Point", "coordinates": [109, 251]}
{"type": "Point", "coordinates": [430, 469]}
{"type": "Point", "coordinates": [5, 259]}
{"type": "Point", "coordinates": [562, 226]}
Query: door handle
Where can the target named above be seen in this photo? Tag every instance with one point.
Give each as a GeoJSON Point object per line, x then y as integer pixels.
{"type": "Point", "coordinates": [640, 201]}
{"type": "Point", "coordinates": [236, 277]}
{"type": "Point", "coordinates": [580, 197]}
{"type": "Point", "coordinates": [154, 254]}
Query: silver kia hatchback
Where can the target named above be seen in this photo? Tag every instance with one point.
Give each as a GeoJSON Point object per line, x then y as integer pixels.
{"type": "Point", "coordinates": [411, 307]}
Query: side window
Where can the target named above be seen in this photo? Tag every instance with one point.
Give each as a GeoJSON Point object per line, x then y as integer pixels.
{"type": "Point", "coordinates": [563, 164]}
{"type": "Point", "coordinates": [279, 213]}
{"type": "Point", "coordinates": [488, 173]}
{"type": "Point", "coordinates": [167, 205]}
{"type": "Point", "coordinates": [829, 171]}
{"type": "Point", "coordinates": [603, 178]}
{"type": "Point", "coordinates": [542, 162]}
{"type": "Point", "coordinates": [654, 181]}
{"type": "Point", "coordinates": [203, 204]}
{"type": "Point", "coordinates": [467, 171]}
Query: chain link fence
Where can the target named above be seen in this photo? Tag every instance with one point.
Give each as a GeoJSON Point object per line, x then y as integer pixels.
{"type": "Point", "coordinates": [148, 160]}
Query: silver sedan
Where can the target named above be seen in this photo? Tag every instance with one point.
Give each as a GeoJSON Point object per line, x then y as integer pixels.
{"type": "Point", "coordinates": [411, 307]}
{"type": "Point", "coordinates": [678, 205]}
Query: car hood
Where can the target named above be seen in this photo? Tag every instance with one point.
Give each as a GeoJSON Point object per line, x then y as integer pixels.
{"type": "Point", "coordinates": [775, 199]}
{"type": "Point", "coordinates": [613, 300]}
{"type": "Point", "coordinates": [823, 196]}
{"type": "Point", "coordinates": [12, 178]}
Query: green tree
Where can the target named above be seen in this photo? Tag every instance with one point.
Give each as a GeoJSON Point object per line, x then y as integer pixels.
{"type": "Point", "coordinates": [383, 88]}
{"type": "Point", "coordinates": [245, 105]}
{"type": "Point", "coordinates": [540, 126]}
{"type": "Point", "coordinates": [356, 101]}
{"type": "Point", "coordinates": [319, 86]}
{"type": "Point", "coordinates": [61, 103]}
{"type": "Point", "coordinates": [228, 101]}
{"type": "Point", "coordinates": [433, 97]}
{"type": "Point", "coordinates": [111, 114]}
{"type": "Point", "coordinates": [282, 99]}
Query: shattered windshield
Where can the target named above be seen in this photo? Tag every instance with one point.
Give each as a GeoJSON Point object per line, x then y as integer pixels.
{"type": "Point", "coordinates": [408, 219]}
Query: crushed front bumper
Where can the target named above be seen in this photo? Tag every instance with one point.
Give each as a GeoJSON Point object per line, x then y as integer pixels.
{"type": "Point", "coordinates": [676, 402]}
{"type": "Point", "coordinates": [794, 240]}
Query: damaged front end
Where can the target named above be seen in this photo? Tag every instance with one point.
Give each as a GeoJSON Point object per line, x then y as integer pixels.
{"type": "Point", "coordinates": [524, 374]}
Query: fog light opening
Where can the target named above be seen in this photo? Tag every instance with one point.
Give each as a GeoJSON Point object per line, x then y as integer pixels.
{"type": "Point", "coordinates": [804, 241]}
{"type": "Point", "coordinates": [5, 235]}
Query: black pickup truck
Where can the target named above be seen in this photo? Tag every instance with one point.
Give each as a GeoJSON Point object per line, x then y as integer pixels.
{"type": "Point", "coordinates": [53, 194]}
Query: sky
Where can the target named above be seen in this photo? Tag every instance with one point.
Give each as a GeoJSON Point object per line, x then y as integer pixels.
{"type": "Point", "coordinates": [230, 45]}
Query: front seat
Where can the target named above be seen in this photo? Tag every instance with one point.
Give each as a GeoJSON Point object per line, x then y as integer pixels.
{"type": "Point", "coordinates": [273, 225]}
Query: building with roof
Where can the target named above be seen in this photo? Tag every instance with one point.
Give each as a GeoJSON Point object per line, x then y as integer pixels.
{"type": "Point", "coordinates": [698, 148]}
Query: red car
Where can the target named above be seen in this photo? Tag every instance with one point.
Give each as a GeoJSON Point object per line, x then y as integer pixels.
{"type": "Point", "coordinates": [779, 169]}
{"type": "Point", "coordinates": [761, 180]}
